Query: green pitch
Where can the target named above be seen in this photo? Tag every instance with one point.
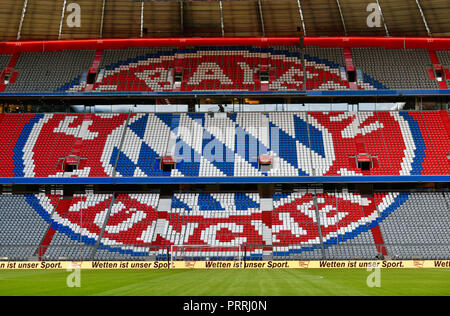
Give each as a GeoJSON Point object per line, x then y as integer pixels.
{"type": "Point", "coordinates": [226, 282]}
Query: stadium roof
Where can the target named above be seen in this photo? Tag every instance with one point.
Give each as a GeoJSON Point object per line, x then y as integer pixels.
{"type": "Point", "coordinates": [42, 19]}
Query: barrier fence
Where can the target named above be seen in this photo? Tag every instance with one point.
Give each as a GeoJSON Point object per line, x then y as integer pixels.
{"type": "Point", "coordinates": [357, 255]}
{"type": "Point", "coordinates": [212, 265]}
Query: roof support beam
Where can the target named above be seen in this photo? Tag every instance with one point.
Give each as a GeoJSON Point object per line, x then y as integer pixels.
{"type": "Point", "coordinates": [382, 18]}
{"type": "Point", "coordinates": [261, 18]}
{"type": "Point", "coordinates": [182, 17]}
{"type": "Point", "coordinates": [142, 19]}
{"type": "Point", "coordinates": [301, 17]}
{"type": "Point", "coordinates": [102, 19]}
{"type": "Point", "coordinates": [62, 19]}
{"type": "Point", "coordinates": [221, 19]}
{"type": "Point", "coordinates": [342, 16]}
{"type": "Point", "coordinates": [423, 18]}
{"type": "Point", "coordinates": [24, 10]}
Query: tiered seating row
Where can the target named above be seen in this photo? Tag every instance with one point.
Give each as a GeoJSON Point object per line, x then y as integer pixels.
{"type": "Point", "coordinates": [237, 68]}
{"type": "Point", "coordinates": [300, 144]}
{"type": "Point", "coordinates": [224, 226]}
{"type": "Point", "coordinates": [419, 228]}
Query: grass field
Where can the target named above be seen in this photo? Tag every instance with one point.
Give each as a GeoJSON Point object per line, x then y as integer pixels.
{"type": "Point", "coordinates": [226, 282]}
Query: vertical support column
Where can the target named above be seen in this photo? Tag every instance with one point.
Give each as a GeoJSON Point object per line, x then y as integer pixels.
{"type": "Point", "coordinates": [319, 229]}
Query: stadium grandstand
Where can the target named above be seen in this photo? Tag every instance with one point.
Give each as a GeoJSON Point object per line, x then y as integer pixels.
{"type": "Point", "coordinates": [255, 130]}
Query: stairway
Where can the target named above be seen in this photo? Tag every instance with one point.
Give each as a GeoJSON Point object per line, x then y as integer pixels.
{"type": "Point", "coordinates": [161, 230]}
{"type": "Point", "coordinates": [46, 242]}
{"type": "Point", "coordinates": [11, 65]}
{"type": "Point", "coordinates": [102, 231]}
{"type": "Point", "coordinates": [87, 118]}
{"type": "Point", "coordinates": [437, 66]}
{"type": "Point", "coordinates": [350, 66]}
{"type": "Point", "coordinates": [319, 229]}
{"type": "Point", "coordinates": [266, 205]}
{"type": "Point", "coordinates": [376, 233]}
{"type": "Point", "coordinates": [94, 68]}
